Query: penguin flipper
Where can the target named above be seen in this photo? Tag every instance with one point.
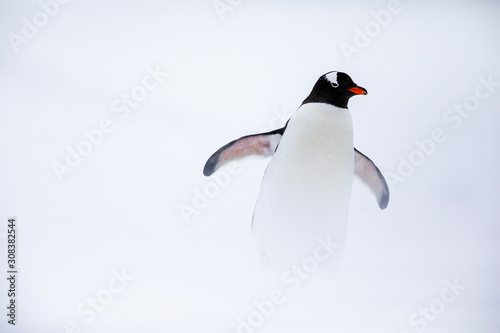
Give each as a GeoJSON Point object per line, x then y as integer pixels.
{"type": "Point", "coordinates": [371, 176]}
{"type": "Point", "coordinates": [262, 144]}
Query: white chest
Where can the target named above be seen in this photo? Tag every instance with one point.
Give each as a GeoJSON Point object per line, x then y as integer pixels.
{"type": "Point", "coordinates": [306, 189]}
{"type": "Point", "coordinates": [316, 151]}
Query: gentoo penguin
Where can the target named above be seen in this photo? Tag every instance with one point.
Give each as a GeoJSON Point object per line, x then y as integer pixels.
{"type": "Point", "coordinates": [305, 192]}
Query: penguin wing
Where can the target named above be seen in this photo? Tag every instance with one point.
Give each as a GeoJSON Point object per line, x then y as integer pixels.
{"type": "Point", "coordinates": [263, 144]}
{"type": "Point", "coordinates": [371, 176]}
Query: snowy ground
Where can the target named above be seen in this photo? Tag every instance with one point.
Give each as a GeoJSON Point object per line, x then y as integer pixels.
{"type": "Point", "coordinates": [106, 248]}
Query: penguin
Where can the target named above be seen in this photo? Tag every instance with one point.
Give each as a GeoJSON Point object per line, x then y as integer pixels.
{"type": "Point", "coordinates": [305, 192]}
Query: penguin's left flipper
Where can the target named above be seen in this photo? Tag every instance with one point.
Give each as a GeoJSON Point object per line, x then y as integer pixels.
{"type": "Point", "coordinates": [263, 144]}
{"type": "Point", "coordinates": [371, 176]}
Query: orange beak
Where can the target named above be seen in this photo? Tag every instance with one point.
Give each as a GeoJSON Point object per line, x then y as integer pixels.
{"type": "Point", "coordinates": [358, 90]}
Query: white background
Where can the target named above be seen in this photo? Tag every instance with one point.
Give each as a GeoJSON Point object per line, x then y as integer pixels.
{"type": "Point", "coordinates": [120, 208]}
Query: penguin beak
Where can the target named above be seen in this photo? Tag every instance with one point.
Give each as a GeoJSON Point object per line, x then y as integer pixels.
{"type": "Point", "coordinates": [358, 90]}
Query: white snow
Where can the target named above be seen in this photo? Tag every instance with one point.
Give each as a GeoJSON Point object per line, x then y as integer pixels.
{"type": "Point", "coordinates": [431, 118]}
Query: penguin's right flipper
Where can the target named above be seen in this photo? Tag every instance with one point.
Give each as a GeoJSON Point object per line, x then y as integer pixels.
{"type": "Point", "coordinates": [371, 176]}
{"type": "Point", "coordinates": [263, 144]}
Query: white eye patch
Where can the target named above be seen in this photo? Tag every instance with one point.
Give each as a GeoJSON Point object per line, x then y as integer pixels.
{"type": "Point", "coordinates": [332, 77]}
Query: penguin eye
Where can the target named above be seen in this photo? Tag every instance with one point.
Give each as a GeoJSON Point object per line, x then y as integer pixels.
{"type": "Point", "coordinates": [334, 84]}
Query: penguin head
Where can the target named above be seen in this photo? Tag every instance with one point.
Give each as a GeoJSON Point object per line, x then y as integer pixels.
{"type": "Point", "coordinates": [334, 88]}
